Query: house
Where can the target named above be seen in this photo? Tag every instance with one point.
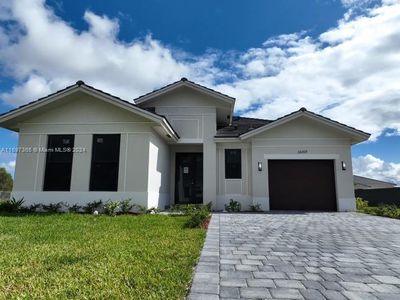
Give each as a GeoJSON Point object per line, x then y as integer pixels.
{"type": "Point", "coordinates": [365, 183]}
{"type": "Point", "coordinates": [178, 144]}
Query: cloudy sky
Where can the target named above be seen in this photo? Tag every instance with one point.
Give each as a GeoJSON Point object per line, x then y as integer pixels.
{"type": "Point", "coordinates": [337, 58]}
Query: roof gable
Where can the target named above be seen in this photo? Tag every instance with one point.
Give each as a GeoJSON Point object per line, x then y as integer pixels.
{"type": "Point", "coordinates": [9, 119]}
{"type": "Point", "coordinates": [187, 83]}
{"type": "Point", "coordinates": [355, 135]}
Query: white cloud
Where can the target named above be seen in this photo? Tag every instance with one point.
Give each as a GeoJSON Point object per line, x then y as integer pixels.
{"type": "Point", "coordinates": [373, 167]}
{"type": "Point", "coordinates": [348, 73]}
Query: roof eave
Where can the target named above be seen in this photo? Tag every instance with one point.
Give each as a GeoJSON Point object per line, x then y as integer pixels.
{"type": "Point", "coordinates": [187, 83]}
{"type": "Point", "coordinates": [357, 135]}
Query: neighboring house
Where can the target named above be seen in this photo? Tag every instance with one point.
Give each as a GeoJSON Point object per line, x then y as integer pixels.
{"type": "Point", "coordinates": [365, 183]}
{"type": "Point", "coordinates": [178, 144]}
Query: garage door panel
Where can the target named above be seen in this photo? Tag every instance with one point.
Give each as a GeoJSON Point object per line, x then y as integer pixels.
{"type": "Point", "coordinates": [302, 185]}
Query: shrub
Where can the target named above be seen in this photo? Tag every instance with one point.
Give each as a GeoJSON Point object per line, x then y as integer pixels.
{"type": "Point", "coordinates": [197, 218]}
{"type": "Point", "coordinates": [233, 206]}
{"type": "Point", "coordinates": [383, 210]}
{"type": "Point", "coordinates": [74, 208]}
{"type": "Point", "coordinates": [126, 206]}
{"type": "Point", "coordinates": [12, 205]}
{"type": "Point", "coordinates": [255, 207]}
{"type": "Point", "coordinates": [361, 204]}
{"type": "Point", "coordinates": [139, 208]}
{"type": "Point", "coordinates": [152, 210]}
{"type": "Point", "coordinates": [92, 206]}
{"type": "Point", "coordinates": [110, 208]}
{"type": "Point", "coordinates": [53, 207]}
{"type": "Point", "coordinates": [34, 207]}
{"type": "Point", "coordinates": [188, 209]}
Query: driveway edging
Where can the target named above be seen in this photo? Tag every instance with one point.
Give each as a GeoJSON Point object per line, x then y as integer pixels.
{"type": "Point", "coordinates": [205, 284]}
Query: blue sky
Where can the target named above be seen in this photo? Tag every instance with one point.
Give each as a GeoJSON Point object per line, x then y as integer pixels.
{"type": "Point", "coordinates": [273, 56]}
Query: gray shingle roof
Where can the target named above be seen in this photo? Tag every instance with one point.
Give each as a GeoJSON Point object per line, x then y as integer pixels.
{"type": "Point", "coordinates": [239, 126]}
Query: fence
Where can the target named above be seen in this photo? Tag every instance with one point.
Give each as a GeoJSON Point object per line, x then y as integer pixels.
{"type": "Point", "coordinates": [378, 196]}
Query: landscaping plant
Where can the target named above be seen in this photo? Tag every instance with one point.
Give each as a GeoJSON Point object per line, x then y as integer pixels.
{"type": "Point", "coordinates": [12, 205]}
{"type": "Point", "coordinates": [53, 207]}
{"type": "Point", "coordinates": [255, 207]}
{"type": "Point", "coordinates": [233, 206]}
{"type": "Point", "coordinates": [92, 206]}
{"type": "Point", "coordinates": [383, 210]}
{"type": "Point", "coordinates": [110, 208]}
{"type": "Point", "coordinates": [126, 206]}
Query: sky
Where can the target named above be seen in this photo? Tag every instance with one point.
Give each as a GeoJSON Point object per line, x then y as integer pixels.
{"type": "Point", "coordinates": [338, 58]}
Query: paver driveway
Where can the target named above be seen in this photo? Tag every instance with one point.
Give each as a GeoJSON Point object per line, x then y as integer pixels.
{"type": "Point", "coordinates": [299, 256]}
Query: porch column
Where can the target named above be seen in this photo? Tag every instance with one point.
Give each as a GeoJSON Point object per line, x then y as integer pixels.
{"type": "Point", "coordinates": [209, 160]}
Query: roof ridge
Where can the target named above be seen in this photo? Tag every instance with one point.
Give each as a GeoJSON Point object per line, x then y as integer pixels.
{"type": "Point", "coordinates": [183, 80]}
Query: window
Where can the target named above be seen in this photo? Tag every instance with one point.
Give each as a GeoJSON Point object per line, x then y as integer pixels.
{"type": "Point", "coordinates": [233, 163]}
{"type": "Point", "coordinates": [57, 174]}
{"type": "Point", "coordinates": [105, 162]}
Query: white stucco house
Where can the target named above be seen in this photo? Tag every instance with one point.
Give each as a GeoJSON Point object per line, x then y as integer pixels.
{"type": "Point", "coordinates": [178, 144]}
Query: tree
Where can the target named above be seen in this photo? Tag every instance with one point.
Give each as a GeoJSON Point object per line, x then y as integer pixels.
{"type": "Point", "coordinates": [6, 181]}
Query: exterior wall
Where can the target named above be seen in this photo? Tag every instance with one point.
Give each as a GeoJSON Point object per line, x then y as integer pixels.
{"type": "Point", "coordinates": [236, 189]}
{"type": "Point", "coordinates": [194, 117]}
{"type": "Point", "coordinates": [303, 139]}
{"type": "Point", "coordinates": [159, 168]}
{"type": "Point", "coordinates": [84, 116]}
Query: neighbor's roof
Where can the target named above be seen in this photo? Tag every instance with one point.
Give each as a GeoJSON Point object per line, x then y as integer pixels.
{"type": "Point", "coordinates": [372, 183]}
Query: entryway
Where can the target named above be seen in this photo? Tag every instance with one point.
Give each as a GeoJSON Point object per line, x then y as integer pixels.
{"type": "Point", "coordinates": [189, 178]}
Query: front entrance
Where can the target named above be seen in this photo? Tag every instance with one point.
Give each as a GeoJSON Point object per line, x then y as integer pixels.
{"type": "Point", "coordinates": [189, 178]}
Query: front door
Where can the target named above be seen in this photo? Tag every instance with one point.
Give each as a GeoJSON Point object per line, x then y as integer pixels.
{"type": "Point", "coordinates": [189, 178]}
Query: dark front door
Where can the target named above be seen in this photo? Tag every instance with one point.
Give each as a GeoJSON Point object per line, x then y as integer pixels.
{"type": "Point", "coordinates": [302, 185]}
{"type": "Point", "coordinates": [189, 178]}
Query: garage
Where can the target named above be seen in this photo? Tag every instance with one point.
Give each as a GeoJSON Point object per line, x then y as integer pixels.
{"type": "Point", "coordinates": [302, 185]}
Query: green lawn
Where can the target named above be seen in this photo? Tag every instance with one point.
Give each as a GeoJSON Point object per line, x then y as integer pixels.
{"type": "Point", "coordinates": [96, 257]}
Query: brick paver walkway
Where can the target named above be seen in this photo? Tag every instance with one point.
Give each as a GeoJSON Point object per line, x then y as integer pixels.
{"type": "Point", "coordinates": [299, 256]}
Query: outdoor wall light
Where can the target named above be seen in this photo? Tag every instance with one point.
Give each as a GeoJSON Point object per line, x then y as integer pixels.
{"type": "Point", "coordinates": [259, 166]}
{"type": "Point", "coordinates": [343, 166]}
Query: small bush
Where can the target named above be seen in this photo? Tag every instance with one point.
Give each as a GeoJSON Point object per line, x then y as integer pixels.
{"type": "Point", "coordinates": [126, 206]}
{"type": "Point", "coordinates": [110, 208]}
{"type": "Point", "coordinates": [34, 207]}
{"type": "Point", "coordinates": [383, 210]}
{"type": "Point", "coordinates": [361, 204]}
{"type": "Point", "coordinates": [188, 209]}
{"type": "Point", "coordinates": [255, 207]}
{"type": "Point", "coordinates": [53, 207]}
{"type": "Point", "coordinates": [152, 210]}
{"type": "Point", "coordinates": [12, 205]}
{"type": "Point", "coordinates": [92, 206]}
{"type": "Point", "coordinates": [139, 208]}
{"type": "Point", "coordinates": [233, 206]}
{"type": "Point", "coordinates": [74, 208]}
{"type": "Point", "coordinates": [197, 218]}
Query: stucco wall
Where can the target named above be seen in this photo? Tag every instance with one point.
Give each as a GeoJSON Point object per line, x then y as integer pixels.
{"type": "Point", "coordinates": [83, 116]}
{"type": "Point", "coordinates": [236, 189]}
{"type": "Point", "coordinates": [303, 139]}
{"type": "Point", "coordinates": [194, 116]}
{"type": "Point", "coordinates": [159, 170]}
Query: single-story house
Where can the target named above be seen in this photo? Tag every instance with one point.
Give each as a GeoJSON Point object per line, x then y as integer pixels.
{"type": "Point", "coordinates": [178, 144]}
{"type": "Point", "coordinates": [365, 183]}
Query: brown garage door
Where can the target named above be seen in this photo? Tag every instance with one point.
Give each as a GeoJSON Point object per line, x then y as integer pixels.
{"type": "Point", "coordinates": [302, 185]}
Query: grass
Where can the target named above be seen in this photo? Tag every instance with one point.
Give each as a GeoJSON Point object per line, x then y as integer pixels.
{"type": "Point", "coordinates": [64, 256]}
{"type": "Point", "coordinates": [382, 210]}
